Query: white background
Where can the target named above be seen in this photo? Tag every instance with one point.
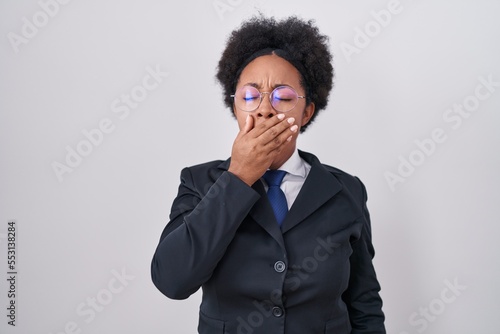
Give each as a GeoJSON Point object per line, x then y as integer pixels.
{"type": "Point", "coordinates": [438, 227]}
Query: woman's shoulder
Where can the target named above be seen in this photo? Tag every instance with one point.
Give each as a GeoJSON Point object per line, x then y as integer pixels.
{"type": "Point", "coordinates": [346, 179]}
{"type": "Point", "coordinates": [200, 172]}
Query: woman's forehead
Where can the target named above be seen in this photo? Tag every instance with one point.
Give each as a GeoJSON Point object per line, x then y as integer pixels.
{"type": "Point", "coordinates": [269, 71]}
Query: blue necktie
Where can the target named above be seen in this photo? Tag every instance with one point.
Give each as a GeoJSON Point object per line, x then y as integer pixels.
{"type": "Point", "coordinates": [275, 194]}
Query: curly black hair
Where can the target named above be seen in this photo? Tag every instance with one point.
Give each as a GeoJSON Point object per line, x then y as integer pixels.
{"type": "Point", "coordinates": [295, 40]}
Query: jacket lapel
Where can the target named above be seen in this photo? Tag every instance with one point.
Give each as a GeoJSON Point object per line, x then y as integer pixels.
{"type": "Point", "coordinates": [262, 211]}
{"type": "Point", "coordinates": [319, 186]}
{"type": "Point", "coordinates": [263, 214]}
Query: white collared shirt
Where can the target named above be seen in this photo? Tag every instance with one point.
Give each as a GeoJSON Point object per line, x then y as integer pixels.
{"type": "Point", "coordinates": [297, 170]}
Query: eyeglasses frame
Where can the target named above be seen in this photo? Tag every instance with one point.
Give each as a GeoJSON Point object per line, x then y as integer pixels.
{"type": "Point", "coordinates": [261, 94]}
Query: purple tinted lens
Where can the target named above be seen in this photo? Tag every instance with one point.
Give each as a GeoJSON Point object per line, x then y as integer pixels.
{"type": "Point", "coordinates": [284, 99]}
{"type": "Point", "coordinates": [247, 98]}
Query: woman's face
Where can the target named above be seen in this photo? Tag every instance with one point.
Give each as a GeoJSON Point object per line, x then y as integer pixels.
{"type": "Point", "coordinates": [266, 73]}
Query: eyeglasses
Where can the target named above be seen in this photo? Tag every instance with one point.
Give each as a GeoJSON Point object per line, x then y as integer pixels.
{"type": "Point", "coordinates": [282, 98]}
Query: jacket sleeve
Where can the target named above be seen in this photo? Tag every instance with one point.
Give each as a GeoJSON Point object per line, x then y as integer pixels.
{"type": "Point", "coordinates": [362, 295]}
{"type": "Point", "coordinates": [202, 224]}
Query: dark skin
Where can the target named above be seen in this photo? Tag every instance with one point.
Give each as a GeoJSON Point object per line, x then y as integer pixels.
{"type": "Point", "coordinates": [267, 138]}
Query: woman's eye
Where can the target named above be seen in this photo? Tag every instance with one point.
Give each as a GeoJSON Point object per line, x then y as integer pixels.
{"type": "Point", "coordinates": [282, 98]}
{"type": "Point", "coordinates": [250, 98]}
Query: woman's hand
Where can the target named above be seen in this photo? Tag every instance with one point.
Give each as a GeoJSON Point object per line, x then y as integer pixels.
{"type": "Point", "coordinates": [257, 146]}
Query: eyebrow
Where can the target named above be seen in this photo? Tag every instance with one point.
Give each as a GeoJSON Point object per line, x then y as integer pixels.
{"type": "Point", "coordinates": [253, 84]}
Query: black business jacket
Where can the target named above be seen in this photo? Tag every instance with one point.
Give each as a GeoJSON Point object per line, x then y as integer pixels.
{"type": "Point", "coordinates": [313, 275]}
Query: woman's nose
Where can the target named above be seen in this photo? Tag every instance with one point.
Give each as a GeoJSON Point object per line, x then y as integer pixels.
{"type": "Point", "coordinates": [265, 109]}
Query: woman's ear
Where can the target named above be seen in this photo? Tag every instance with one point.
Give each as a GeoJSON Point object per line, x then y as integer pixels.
{"type": "Point", "coordinates": [308, 113]}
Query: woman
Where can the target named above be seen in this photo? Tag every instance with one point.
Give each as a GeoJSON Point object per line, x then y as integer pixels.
{"type": "Point", "coordinates": [279, 242]}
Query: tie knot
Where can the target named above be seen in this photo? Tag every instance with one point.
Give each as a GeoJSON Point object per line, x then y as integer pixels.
{"type": "Point", "coordinates": [274, 177]}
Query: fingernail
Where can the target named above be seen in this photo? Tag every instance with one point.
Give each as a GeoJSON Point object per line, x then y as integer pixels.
{"type": "Point", "coordinates": [291, 120]}
{"type": "Point", "coordinates": [280, 116]}
{"type": "Point", "coordinates": [289, 138]}
{"type": "Point", "coordinates": [294, 128]}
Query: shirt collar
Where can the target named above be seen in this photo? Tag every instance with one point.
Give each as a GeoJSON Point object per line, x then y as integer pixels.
{"type": "Point", "coordinates": [295, 165]}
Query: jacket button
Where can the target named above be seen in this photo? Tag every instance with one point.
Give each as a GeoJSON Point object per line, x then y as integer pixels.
{"type": "Point", "coordinates": [279, 266]}
{"type": "Point", "coordinates": [277, 312]}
